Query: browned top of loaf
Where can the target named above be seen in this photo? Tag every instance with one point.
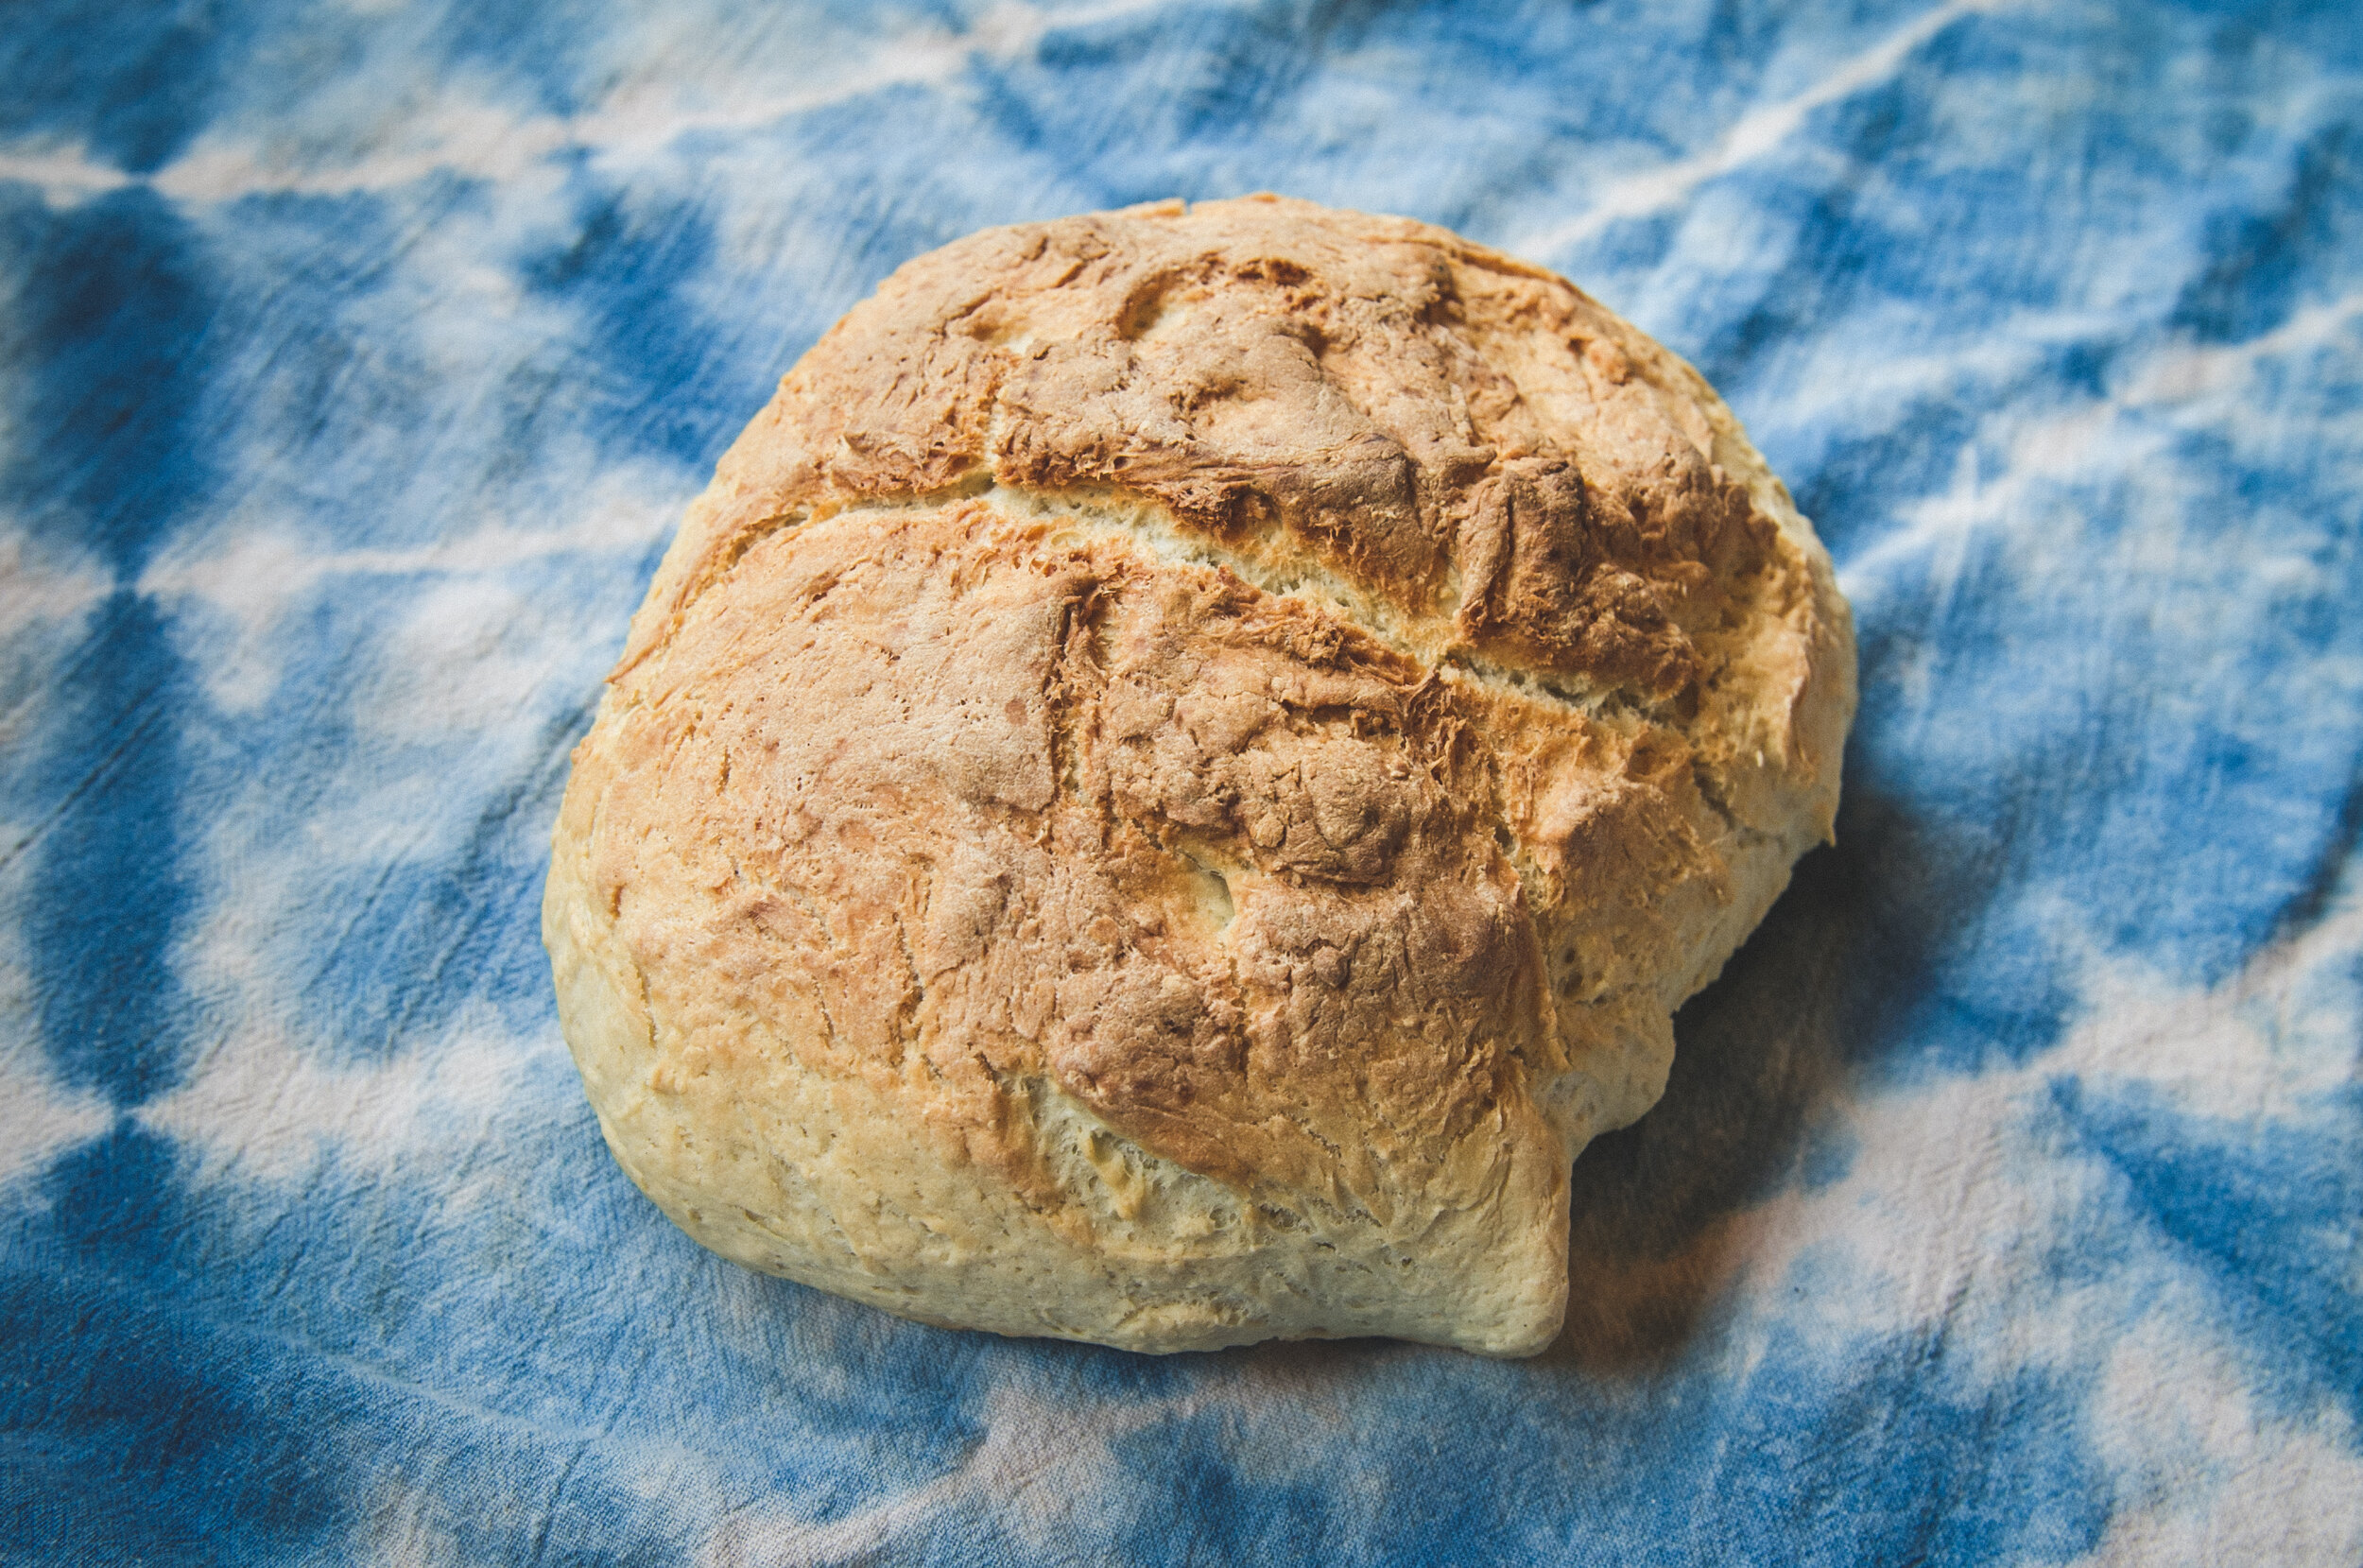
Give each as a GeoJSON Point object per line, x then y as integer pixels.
{"type": "Point", "coordinates": [950, 787]}
{"type": "Point", "coordinates": [1455, 432]}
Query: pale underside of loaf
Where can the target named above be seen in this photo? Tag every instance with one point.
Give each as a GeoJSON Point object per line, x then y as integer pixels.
{"type": "Point", "coordinates": [1176, 777]}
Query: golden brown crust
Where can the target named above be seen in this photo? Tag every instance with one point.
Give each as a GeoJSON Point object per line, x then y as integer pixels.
{"type": "Point", "coordinates": [1310, 690]}
{"type": "Point", "coordinates": [1457, 433]}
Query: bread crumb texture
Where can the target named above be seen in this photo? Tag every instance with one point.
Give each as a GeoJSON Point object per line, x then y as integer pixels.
{"type": "Point", "coordinates": [1177, 776]}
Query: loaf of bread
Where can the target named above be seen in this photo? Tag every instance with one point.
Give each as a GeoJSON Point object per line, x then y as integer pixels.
{"type": "Point", "coordinates": [1177, 775]}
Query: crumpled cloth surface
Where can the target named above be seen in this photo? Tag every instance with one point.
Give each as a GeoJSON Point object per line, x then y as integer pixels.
{"type": "Point", "coordinates": [354, 363]}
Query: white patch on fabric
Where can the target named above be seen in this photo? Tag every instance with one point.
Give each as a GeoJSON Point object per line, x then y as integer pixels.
{"type": "Point", "coordinates": [406, 1527]}
{"type": "Point", "coordinates": [240, 583]}
{"type": "Point", "coordinates": [258, 1106]}
{"type": "Point", "coordinates": [2254, 1050]}
{"type": "Point", "coordinates": [40, 1118]}
{"type": "Point", "coordinates": [44, 595]}
{"type": "Point", "coordinates": [666, 85]}
{"type": "Point", "coordinates": [1750, 137]}
{"type": "Point", "coordinates": [1040, 1464]}
{"type": "Point", "coordinates": [1950, 1220]}
{"type": "Point", "coordinates": [64, 175]}
{"type": "Point", "coordinates": [2180, 386]}
{"type": "Point", "coordinates": [2200, 1475]}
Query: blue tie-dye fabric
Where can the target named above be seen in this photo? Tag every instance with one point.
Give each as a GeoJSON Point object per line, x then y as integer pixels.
{"type": "Point", "coordinates": [354, 362]}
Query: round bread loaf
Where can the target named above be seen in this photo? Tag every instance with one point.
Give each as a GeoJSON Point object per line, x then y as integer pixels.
{"type": "Point", "coordinates": [1177, 775]}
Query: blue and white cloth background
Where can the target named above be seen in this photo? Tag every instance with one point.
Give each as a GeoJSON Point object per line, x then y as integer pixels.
{"type": "Point", "coordinates": [354, 363]}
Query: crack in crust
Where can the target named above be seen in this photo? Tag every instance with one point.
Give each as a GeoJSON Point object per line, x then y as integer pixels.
{"type": "Point", "coordinates": [1310, 693]}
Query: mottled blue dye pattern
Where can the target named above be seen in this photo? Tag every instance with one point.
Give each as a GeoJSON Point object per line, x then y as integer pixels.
{"type": "Point", "coordinates": [2007, 1202]}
